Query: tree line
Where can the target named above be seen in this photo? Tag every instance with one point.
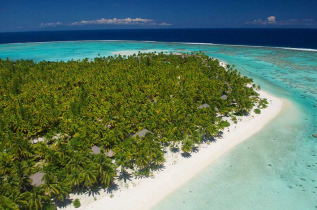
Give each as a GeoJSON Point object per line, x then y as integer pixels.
{"type": "Point", "coordinates": [53, 113]}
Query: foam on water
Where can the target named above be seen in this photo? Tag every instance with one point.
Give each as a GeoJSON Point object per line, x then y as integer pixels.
{"type": "Point", "coordinates": [274, 169]}
{"type": "Point", "coordinates": [132, 52]}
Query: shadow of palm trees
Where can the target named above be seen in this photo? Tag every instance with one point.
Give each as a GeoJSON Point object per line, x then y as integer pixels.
{"type": "Point", "coordinates": [174, 149]}
{"type": "Point", "coordinates": [195, 149]}
{"type": "Point", "coordinates": [125, 176]}
{"type": "Point", "coordinates": [94, 190]}
{"type": "Point", "coordinates": [113, 187]}
{"type": "Point", "coordinates": [64, 203]}
{"type": "Point", "coordinates": [220, 135]}
{"type": "Point", "coordinates": [186, 155]}
{"type": "Point", "coordinates": [208, 138]}
{"type": "Point", "coordinates": [158, 167]}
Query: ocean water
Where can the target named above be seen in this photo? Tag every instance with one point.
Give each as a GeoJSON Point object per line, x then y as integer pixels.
{"type": "Point", "coordinates": [274, 169]}
{"type": "Point", "coordinates": [279, 37]}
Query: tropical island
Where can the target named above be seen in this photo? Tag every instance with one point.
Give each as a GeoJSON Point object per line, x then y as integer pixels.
{"type": "Point", "coordinates": [69, 127]}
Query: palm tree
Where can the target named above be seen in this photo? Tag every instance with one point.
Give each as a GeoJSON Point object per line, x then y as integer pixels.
{"type": "Point", "coordinates": [75, 178]}
{"type": "Point", "coordinates": [22, 170]}
{"type": "Point", "coordinates": [7, 203]}
{"type": "Point", "coordinates": [35, 198]}
{"type": "Point", "coordinates": [88, 175]}
{"type": "Point", "coordinates": [106, 170]}
{"type": "Point", "coordinates": [22, 148]}
{"type": "Point", "coordinates": [6, 161]}
{"type": "Point", "coordinates": [20, 200]}
{"type": "Point", "coordinates": [51, 187]}
{"type": "Point", "coordinates": [10, 184]}
{"type": "Point", "coordinates": [187, 145]}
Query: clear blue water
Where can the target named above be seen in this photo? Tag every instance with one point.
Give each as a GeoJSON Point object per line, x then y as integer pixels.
{"type": "Point", "coordinates": [274, 169]}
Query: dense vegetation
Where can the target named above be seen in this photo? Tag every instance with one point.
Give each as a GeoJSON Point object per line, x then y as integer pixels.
{"type": "Point", "coordinates": [75, 105]}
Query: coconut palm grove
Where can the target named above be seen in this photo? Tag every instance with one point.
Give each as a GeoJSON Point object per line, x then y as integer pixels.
{"type": "Point", "coordinates": [66, 127]}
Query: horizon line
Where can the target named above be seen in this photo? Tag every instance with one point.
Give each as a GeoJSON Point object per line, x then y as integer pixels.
{"type": "Point", "coordinates": [112, 29]}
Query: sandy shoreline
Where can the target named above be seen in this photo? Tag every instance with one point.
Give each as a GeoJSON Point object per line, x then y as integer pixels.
{"type": "Point", "coordinates": [147, 192]}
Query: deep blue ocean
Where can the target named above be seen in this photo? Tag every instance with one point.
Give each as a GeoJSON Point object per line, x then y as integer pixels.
{"type": "Point", "coordinates": [276, 168]}
{"type": "Point", "coordinates": [295, 38]}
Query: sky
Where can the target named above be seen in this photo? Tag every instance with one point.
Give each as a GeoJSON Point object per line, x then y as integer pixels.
{"type": "Point", "coordinates": [43, 15]}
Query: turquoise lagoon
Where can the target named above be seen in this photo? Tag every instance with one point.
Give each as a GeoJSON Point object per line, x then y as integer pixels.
{"type": "Point", "coordinates": [274, 169]}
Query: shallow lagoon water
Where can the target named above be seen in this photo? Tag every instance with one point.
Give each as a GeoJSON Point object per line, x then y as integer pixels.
{"type": "Point", "coordinates": [274, 169]}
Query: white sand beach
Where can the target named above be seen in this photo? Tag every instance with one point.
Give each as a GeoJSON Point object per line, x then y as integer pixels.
{"type": "Point", "coordinates": [146, 192]}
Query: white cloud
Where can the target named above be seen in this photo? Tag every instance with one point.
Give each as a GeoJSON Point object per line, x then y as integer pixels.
{"type": "Point", "coordinates": [164, 24]}
{"type": "Point", "coordinates": [268, 20]}
{"type": "Point", "coordinates": [51, 24]}
{"type": "Point", "coordinates": [272, 20]}
{"type": "Point", "coordinates": [113, 21]}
